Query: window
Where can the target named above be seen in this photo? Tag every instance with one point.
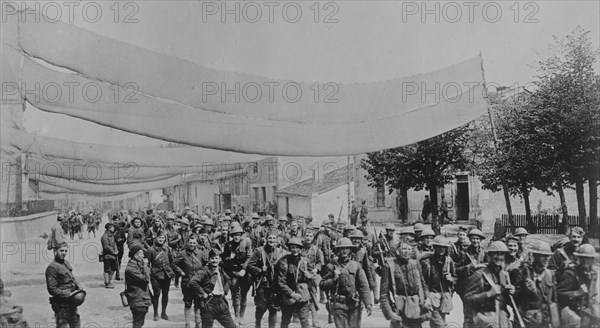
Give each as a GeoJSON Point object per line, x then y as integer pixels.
{"type": "Point", "coordinates": [255, 168]}
{"type": "Point", "coordinates": [380, 196]}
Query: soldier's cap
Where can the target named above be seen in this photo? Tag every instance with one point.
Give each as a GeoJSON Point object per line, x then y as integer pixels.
{"type": "Point", "coordinates": [269, 218]}
{"type": "Point", "coordinates": [512, 237]}
{"type": "Point", "coordinates": [344, 243]}
{"type": "Point", "coordinates": [407, 231]}
{"type": "Point", "coordinates": [390, 226]}
{"type": "Point", "coordinates": [295, 241]}
{"type": "Point", "coordinates": [255, 216]}
{"type": "Point", "coordinates": [213, 252]}
{"type": "Point", "coordinates": [187, 208]}
{"type": "Point", "coordinates": [476, 232]}
{"type": "Point", "coordinates": [135, 247]}
{"type": "Point", "coordinates": [427, 233]}
{"type": "Point", "coordinates": [236, 228]}
{"type": "Point", "coordinates": [208, 222]}
{"type": "Point", "coordinates": [418, 227]}
{"type": "Point", "coordinates": [184, 221]}
{"type": "Point", "coordinates": [160, 233]}
{"type": "Point", "coordinates": [108, 225]}
{"type": "Point", "coordinates": [461, 228]}
{"type": "Point", "coordinates": [204, 217]}
{"type": "Point", "coordinates": [497, 247]}
{"type": "Point", "coordinates": [225, 218]}
{"type": "Point", "coordinates": [540, 247]}
{"type": "Point", "coordinates": [283, 219]}
{"type": "Point", "coordinates": [441, 241]}
{"type": "Point", "coordinates": [356, 234]}
{"type": "Point", "coordinates": [60, 245]}
{"type": "Point", "coordinates": [521, 231]}
{"type": "Point", "coordinates": [586, 250]}
{"type": "Point", "coordinates": [350, 228]}
{"type": "Point", "coordinates": [227, 211]}
{"type": "Point", "coordinates": [312, 227]}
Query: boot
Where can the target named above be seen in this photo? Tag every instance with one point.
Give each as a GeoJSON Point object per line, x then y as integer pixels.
{"type": "Point", "coordinates": [188, 313]}
{"type": "Point", "coordinates": [117, 273]}
{"type": "Point", "coordinates": [376, 293]}
{"type": "Point", "coordinates": [165, 302]}
{"type": "Point", "coordinates": [107, 283]}
{"type": "Point", "coordinates": [156, 317]}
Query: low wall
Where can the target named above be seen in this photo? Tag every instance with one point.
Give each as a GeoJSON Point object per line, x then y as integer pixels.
{"type": "Point", "coordinates": [26, 227]}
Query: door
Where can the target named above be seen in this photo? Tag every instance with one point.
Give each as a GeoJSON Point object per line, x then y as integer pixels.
{"type": "Point", "coordinates": [226, 201]}
{"type": "Point", "coordinates": [462, 201]}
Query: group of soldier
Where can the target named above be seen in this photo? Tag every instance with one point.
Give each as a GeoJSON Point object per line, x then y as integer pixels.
{"type": "Point", "coordinates": [294, 267]}
{"type": "Point", "coordinates": [74, 223]}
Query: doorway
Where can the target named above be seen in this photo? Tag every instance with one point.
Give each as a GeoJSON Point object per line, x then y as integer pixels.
{"type": "Point", "coordinates": [462, 201]}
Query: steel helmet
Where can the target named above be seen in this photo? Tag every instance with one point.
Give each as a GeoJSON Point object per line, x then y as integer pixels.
{"type": "Point", "coordinates": [427, 233]}
{"type": "Point", "coordinates": [204, 217]}
{"type": "Point", "coordinates": [171, 216]}
{"type": "Point", "coordinates": [225, 218]}
{"type": "Point", "coordinates": [407, 231]}
{"type": "Point", "coordinates": [586, 250]}
{"type": "Point", "coordinates": [478, 233]}
{"type": "Point", "coordinates": [269, 218]}
{"type": "Point", "coordinates": [208, 222]}
{"type": "Point", "coordinates": [419, 227]}
{"type": "Point", "coordinates": [184, 221]}
{"type": "Point", "coordinates": [540, 247]}
{"type": "Point", "coordinates": [255, 215]}
{"type": "Point", "coordinates": [497, 247]}
{"type": "Point", "coordinates": [511, 237]}
{"type": "Point", "coordinates": [356, 234]}
{"type": "Point", "coordinates": [78, 297]}
{"type": "Point", "coordinates": [236, 228]}
{"type": "Point", "coordinates": [283, 218]}
{"type": "Point", "coordinates": [344, 243]}
{"type": "Point", "coordinates": [521, 231]}
{"type": "Point", "coordinates": [295, 241]}
{"type": "Point", "coordinates": [390, 226]}
{"type": "Point", "coordinates": [441, 241]}
{"type": "Point", "coordinates": [350, 228]}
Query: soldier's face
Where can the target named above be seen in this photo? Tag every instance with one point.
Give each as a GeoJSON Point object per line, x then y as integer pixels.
{"type": "Point", "coordinates": [513, 247]}
{"type": "Point", "coordinates": [192, 243]}
{"type": "Point", "coordinates": [214, 261]}
{"type": "Point", "coordinates": [497, 258]}
{"type": "Point", "coordinates": [62, 252]}
{"type": "Point", "coordinates": [295, 250]}
{"type": "Point", "coordinates": [161, 239]}
{"type": "Point", "coordinates": [137, 223]}
{"type": "Point", "coordinates": [356, 241]}
{"type": "Point", "coordinates": [462, 235]}
{"type": "Point", "coordinates": [390, 233]}
{"type": "Point", "coordinates": [427, 240]}
{"type": "Point", "coordinates": [294, 226]}
{"type": "Point", "coordinates": [405, 250]}
{"type": "Point", "coordinates": [440, 250]}
{"type": "Point", "coordinates": [541, 260]}
{"type": "Point", "coordinates": [309, 237]}
{"type": "Point", "coordinates": [237, 237]}
{"type": "Point", "coordinates": [576, 239]}
{"type": "Point", "coordinates": [522, 238]}
{"type": "Point", "coordinates": [465, 246]}
{"type": "Point", "coordinates": [475, 241]}
{"type": "Point", "coordinates": [345, 252]}
{"type": "Point", "coordinates": [272, 240]}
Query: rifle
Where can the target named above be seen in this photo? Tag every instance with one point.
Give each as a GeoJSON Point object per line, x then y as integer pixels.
{"type": "Point", "coordinates": [340, 215]}
{"type": "Point", "coordinates": [512, 300]}
{"type": "Point", "coordinates": [379, 249]}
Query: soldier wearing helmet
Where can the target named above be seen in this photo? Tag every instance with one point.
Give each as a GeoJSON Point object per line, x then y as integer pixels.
{"type": "Point", "coordinates": [61, 286]}
{"type": "Point", "coordinates": [360, 255]}
{"type": "Point", "coordinates": [236, 253]}
{"type": "Point", "coordinates": [187, 264]}
{"type": "Point", "coordinates": [577, 291]}
{"type": "Point", "coordinates": [439, 274]}
{"type": "Point", "coordinates": [512, 258]}
{"type": "Point", "coordinates": [487, 286]}
{"type": "Point", "coordinates": [135, 233]}
{"type": "Point", "coordinates": [348, 287]}
{"type": "Point", "coordinates": [425, 247]}
{"type": "Point", "coordinates": [293, 277]}
{"type": "Point", "coordinates": [404, 294]}
{"type": "Point", "coordinates": [315, 260]}
{"type": "Point", "coordinates": [563, 257]}
{"type": "Point", "coordinates": [534, 284]}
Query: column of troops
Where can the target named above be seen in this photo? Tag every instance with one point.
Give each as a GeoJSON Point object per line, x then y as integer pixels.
{"type": "Point", "coordinates": [297, 268]}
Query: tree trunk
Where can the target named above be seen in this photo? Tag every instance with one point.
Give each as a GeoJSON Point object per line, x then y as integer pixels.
{"type": "Point", "coordinates": [508, 208]}
{"type": "Point", "coordinates": [565, 213]}
{"type": "Point", "coordinates": [404, 204]}
{"type": "Point", "coordinates": [433, 198]}
{"type": "Point", "coordinates": [530, 224]}
{"type": "Point", "coordinates": [581, 205]}
{"type": "Point", "coordinates": [593, 185]}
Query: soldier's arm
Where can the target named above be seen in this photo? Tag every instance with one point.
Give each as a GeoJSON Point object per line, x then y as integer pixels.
{"type": "Point", "coordinates": [281, 272]}
{"type": "Point", "coordinates": [517, 279]}
{"type": "Point", "coordinates": [474, 290]}
{"type": "Point", "coordinates": [195, 284]}
{"type": "Point", "coordinates": [52, 284]}
{"type": "Point", "coordinates": [329, 280]}
{"type": "Point", "coordinates": [320, 260]}
{"type": "Point", "coordinates": [252, 264]}
{"type": "Point", "coordinates": [365, 265]}
{"type": "Point", "coordinates": [554, 262]}
{"type": "Point", "coordinates": [363, 287]}
{"type": "Point", "coordinates": [226, 283]}
{"type": "Point", "coordinates": [423, 283]}
{"type": "Point", "coordinates": [384, 293]}
{"type": "Point", "coordinates": [568, 288]}
{"type": "Point", "coordinates": [246, 255]}
{"type": "Point", "coordinates": [136, 276]}
{"type": "Point", "coordinates": [177, 264]}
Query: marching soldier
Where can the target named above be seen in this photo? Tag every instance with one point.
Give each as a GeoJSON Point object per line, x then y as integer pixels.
{"type": "Point", "coordinates": [439, 275]}
{"type": "Point", "coordinates": [359, 254]}
{"type": "Point", "coordinates": [512, 258]}
{"type": "Point", "coordinates": [261, 267]}
{"type": "Point", "coordinates": [468, 260]}
{"type": "Point", "coordinates": [576, 289]}
{"type": "Point", "coordinates": [535, 292]}
{"type": "Point", "coordinates": [315, 260]}
{"type": "Point", "coordinates": [236, 254]}
{"type": "Point", "coordinates": [135, 233]}
{"type": "Point", "coordinates": [564, 257]}
{"type": "Point", "coordinates": [521, 233]}
{"type": "Point", "coordinates": [187, 264]}
{"type": "Point", "coordinates": [404, 294]}
{"type": "Point", "coordinates": [110, 252]}
{"type": "Point", "coordinates": [292, 280]}
{"type": "Point", "coordinates": [120, 239]}
{"type": "Point", "coordinates": [407, 233]}
{"type": "Point", "coordinates": [137, 277]}
{"type": "Point", "coordinates": [488, 289]}
{"type": "Point", "coordinates": [211, 285]}
{"type": "Point", "coordinates": [63, 286]}
{"type": "Point", "coordinates": [160, 258]}
{"type": "Point", "coordinates": [348, 286]}
{"type": "Point", "coordinates": [418, 227]}
{"type": "Point", "coordinates": [425, 247]}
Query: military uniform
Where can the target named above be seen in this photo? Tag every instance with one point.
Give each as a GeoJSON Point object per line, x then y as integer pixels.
{"type": "Point", "coordinates": [291, 271]}
{"type": "Point", "coordinates": [110, 252]}
{"type": "Point", "coordinates": [266, 297]}
{"type": "Point", "coordinates": [235, 256]}
{"type": "Point", "coordinates": [572, 298]}
{"type": "Point", "coordinates": [161, 259]}
{"type": "Point", "coordinates": [61, 283]}
{"type": "Point", "coordinates": [441, 289]}
{"type": "Point", "coordinates": [137, 278]}
{"type": "Point", "coordinates": [563, 257]}
{"type": "Point", "coordinates": [479, 297]}
{"type": "Point", "coordinates": [187, 264]}
{"type": "Point", "coordinates": [534, 304]}
{"type": "Point", "coordinates": [207, 286]}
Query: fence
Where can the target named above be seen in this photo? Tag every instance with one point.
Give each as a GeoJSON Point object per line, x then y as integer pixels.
{"type": "Point", "coordinates": [544, 224]}
{"type": "Point", "coordinates": [29, 207]}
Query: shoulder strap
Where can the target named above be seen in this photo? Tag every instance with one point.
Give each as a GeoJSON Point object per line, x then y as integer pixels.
{"type": "Point", "coordinates": [391, 264]}
{"type": "Point", "coordinates": [564, 254]}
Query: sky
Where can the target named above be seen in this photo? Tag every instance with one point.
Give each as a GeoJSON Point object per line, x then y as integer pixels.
{"type": "Point", "coordinates": [340, 41]}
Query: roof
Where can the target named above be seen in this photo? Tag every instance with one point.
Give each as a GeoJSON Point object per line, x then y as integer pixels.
{"type": "Point", "coordinates": [308, 187]}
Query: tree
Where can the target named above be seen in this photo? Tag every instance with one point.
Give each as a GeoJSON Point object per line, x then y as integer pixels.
{"type": "Point", "coordinates": [568, 103]}
{"type": "Point", "coordinates": [428, 164]}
